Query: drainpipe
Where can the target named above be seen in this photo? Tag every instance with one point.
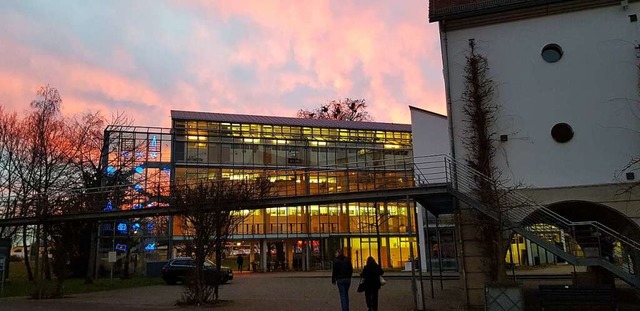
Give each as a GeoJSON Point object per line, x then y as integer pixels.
{"type": "Point", "coordinates": [447, 84]}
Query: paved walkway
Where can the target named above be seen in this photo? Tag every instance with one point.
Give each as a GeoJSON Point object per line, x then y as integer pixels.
{"type": "Point", "coordinates": [248, 291]}
{"type": "Point", "coordinates": [285, 291]}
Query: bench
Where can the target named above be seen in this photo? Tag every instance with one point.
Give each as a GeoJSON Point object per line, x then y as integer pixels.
{"type": "Point", "coordinates": [577, 297]}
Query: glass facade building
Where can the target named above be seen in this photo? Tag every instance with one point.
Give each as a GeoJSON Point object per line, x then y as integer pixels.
{"type": "Point", "coordinates": [299, 157]}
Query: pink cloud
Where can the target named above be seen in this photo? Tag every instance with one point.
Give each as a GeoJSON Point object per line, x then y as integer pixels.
{"type": "Point", "coordinates": [294, 54]}
{"type": "Point", "coordinates": [82, 87]}
{"type": "Point", "coordinates": [330, 46]}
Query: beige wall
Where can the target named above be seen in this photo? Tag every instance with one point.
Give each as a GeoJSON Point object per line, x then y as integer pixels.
{"type": "Point", "coordinates": [616, 196]}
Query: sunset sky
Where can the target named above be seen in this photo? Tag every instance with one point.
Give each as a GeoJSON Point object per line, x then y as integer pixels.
{"type": "Point", "coordinates": [144, 58]}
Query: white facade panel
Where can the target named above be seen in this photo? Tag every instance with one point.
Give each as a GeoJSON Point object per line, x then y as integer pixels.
{"type": "Point", "coordinates": [430, 139]}
{"type": "Point", "coordinates": [594, 88]}
{"type": "Point", "coordinates": [430, 133]}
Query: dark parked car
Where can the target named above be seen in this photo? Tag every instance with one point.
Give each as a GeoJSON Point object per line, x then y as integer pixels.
{"type": "Point", "coordinates": [179, 269]}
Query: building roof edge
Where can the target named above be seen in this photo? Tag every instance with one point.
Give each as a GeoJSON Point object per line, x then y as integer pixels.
{"type": "Point", "coordinates": [440, 11]}
{"type": "Point", "coordinates": [291, 121]}
{"type": "Point", "coordinates": [428, 111]}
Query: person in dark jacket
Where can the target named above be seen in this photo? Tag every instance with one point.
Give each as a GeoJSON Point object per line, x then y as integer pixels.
{"type": "Point", "coordinates": [240, 262]}
{"type": "Point", "coordinates": [341, 276]}
{"type": "Point", "coordinates": [371, 274]}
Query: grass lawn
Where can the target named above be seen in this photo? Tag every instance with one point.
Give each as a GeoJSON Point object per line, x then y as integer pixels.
{"type": "Point", "coordinates": [18, 285]}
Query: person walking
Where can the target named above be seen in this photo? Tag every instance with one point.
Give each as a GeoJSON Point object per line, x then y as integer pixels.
{"type": "Point", "coordinates": [371, 275]}
{"type": "Point", "coordinates": [240, 261]}
{"type": "Point", "coordinates": [341, 276]}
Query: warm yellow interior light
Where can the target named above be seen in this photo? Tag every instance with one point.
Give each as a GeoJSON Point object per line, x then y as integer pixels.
{"type": "Point", "coordinates": [200, 138]}
{"type": "Point", "coordinates": [318, 143]}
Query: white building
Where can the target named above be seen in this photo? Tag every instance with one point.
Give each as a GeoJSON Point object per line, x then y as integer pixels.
{"type": "Point", "coordinates": [567, 88]}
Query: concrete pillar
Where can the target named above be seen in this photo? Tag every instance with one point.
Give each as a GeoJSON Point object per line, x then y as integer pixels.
{"type": "Point", "coordinates": [251, 255]}
{"type": "Point", "coordinates": [307, 256]}
{"type": "Point", "coordinates": [263, 254]}
{"type": "Point", "coordinates": [475, 273]}
{"type": "Point", "coordinates": [286, 254]}
{"type": "Point", "coordinates": [422, 226]}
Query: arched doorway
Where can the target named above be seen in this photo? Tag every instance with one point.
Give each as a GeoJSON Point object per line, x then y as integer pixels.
{"type": "Point", "coordinates": [578, 211]}
{"type": "Point", "coordinates": [609, 240]}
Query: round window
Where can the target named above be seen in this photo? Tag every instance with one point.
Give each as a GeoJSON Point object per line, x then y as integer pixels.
{"type": "Point", "coordinates": [552, 53]}
{"type": "Point", "coordinates": [562, 132]}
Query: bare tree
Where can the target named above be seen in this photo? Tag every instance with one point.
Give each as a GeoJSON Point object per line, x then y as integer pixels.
{"type": "Point", "coordinates": [347, 110]}
{"type": "Point", "coordinates": [208, 222]}
{"type": "Point", "coordinates": [44, 159]}
{"type": "Point", "coordinates": [9, 186]}
{"type": "Point", "coordinates": [92, 193]}
{"type": "Point", "coordinates": [15, 197]}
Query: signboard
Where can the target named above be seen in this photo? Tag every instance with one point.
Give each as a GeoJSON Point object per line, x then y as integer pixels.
{"type": "Point", "coordinates": [112, 257]}
{"type": "Point", "coordinates": [121, 247]}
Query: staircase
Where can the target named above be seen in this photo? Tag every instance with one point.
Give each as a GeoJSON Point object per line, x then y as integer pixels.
{"type": "Point", "coordinates": [587, 243]}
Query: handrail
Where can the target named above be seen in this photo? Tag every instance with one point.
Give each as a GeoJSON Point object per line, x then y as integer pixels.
{"type": "Point", "coordinates": [524, 213]}
{"type": "Point", "coordinates": [546, 210]}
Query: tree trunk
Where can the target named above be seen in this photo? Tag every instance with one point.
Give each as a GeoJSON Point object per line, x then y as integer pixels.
{"type": "Point", "coordinates": [45, 259]}
{"type": "Point", "coordinates": [27, 262]}
{"type": "Point", "coordinates": [125, 275]}
{"type": "Point", "coordinates": [91, 265]}
{"type": "Point", "coordinates": [37, 252]}
{"type": "Point", "coordinates": [218, 262]}
{"type": "Point", "coordinates": [200, 281]}
{"type": "Point", "coordinates": [501, 270]}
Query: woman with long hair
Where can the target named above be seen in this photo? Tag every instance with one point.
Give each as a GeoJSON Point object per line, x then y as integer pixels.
{"type": "Point", "coordinates": [371, 275]}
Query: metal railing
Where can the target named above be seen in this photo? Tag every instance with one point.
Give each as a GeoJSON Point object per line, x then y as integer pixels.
{"type": "Point", "coordinates": [582, 243]}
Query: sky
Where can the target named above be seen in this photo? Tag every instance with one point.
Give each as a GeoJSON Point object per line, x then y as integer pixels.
{"type": "Point", "coordinates": [267, 57]}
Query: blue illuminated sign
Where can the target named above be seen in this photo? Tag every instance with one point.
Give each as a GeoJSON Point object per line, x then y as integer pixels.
{"type": "Point", "coordinates": [111, 170]}
{"type": "Point", "coordinates": [150, 226]}
{"type": "Point", "coordinates": [135, 227]}
{"type": "Point", "coordinates": [109, 206]}
{"type": "Point", "coordinates": [121, 247]}
{"type": "Point", "coordinates": [122, 227]}
{"type": "Point", "coordinates": [137, 206]}
{"type": "Point", "coordinates": [138, 188]}
{"type": "Point", "coordinates": [154, 146]}
{"type": "Point", "coordinates": [139, 169]}
{"type": "Point", "coordinates": [139, 154]}
{"type": "Point", "coordinates": [150, 247]}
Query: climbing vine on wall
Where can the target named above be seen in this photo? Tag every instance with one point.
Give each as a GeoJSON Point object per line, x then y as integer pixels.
{"type": "Point", "coordinates": [479, 134]}
{"type": "Point", "coordinates": [480, 112]}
